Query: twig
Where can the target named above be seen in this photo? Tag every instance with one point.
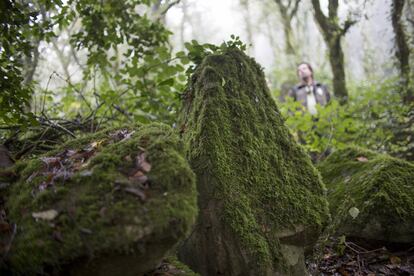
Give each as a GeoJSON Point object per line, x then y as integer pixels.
{"type": "Point", "coordinates": [77, 90]}
{"type": "Point", "coordinates": [56, 126]}
{"type": "Point", "coordinates": [45, 91]}
{"type": "Point", "coordinates": [170, 6]}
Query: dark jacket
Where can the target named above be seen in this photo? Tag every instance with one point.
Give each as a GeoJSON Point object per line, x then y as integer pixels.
{"type": "Point", "coordinates": [320, 91]}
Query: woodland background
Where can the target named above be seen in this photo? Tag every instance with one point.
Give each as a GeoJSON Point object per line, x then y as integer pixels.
{"type": "Point", "coordinates": [75, 66]}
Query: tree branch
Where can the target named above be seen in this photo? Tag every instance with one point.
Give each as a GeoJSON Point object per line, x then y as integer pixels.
{"type": "Point", "coordinates": [333, 8]}
{"type": "Point", "coordinates": [170, 5]}
{"type": "Point", "coordinates": [320, 17]}
{"type": "Point", "coordinates": [294, 10]}
{"type": "Point", "coordinates": [347, 24]}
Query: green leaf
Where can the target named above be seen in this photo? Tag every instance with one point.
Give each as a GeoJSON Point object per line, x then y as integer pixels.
{"type": "Point", "coordinates": [169, 82]}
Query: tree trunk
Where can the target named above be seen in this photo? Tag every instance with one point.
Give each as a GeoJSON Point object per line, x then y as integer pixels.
{"type": "Point", "coordinates": [336, 59]}
{"type": "Point", "coordinates": [402, 51]}
{"type": "Point", "coordinates": [289, 40]}
{"type": "Point", "coordinates": [261, 201]}
{"type": "Point", "coordinates": [287, 12]}
{"type": "Point", "coordinates": [332, 33]}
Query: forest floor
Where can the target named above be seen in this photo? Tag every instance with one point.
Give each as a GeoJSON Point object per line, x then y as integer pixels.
{"type": "Point", "coordinates": [342, 257]}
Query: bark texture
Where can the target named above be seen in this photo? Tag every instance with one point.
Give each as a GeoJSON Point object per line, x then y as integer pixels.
{"type": "Point", "coordinates": [332, 33]}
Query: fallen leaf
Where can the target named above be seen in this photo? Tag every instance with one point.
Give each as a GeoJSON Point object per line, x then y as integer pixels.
{"type": "Point", "coordinates": [86, 173]}
{"type": "Point", "coordinates": [343, 271]}
{"type": "Point", "coordinates": [137, 192]}
{"type": "Point", "coordinates": [128, 158]}
{"type": "Point", "coordinates": [395, 260]}
{"type": "Point", "coordinates": [362, 159]}
{"type": "Point", "coordinates": [51, 161]}
{"type": "Point", "coordinates": [141, 163]}
{"type": "Point", "coordinates": [128, 135]}
{"type": "Point", "coordinates": [45, 215]}
{"type": "Point", "coordinates": [139, 179]}
{"type": "Point", "coordinates": [354, 212]}
{"type": "Point", "coordinates": [4, 227]}
{"type": "Point", "coordinates": [86, 231]}
{"type": "Point", "coordinates": [138, 174]}
{"type": "Point", "coordinates": [57, 235]}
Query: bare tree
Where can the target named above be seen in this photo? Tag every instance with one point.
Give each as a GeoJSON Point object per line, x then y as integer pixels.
{"type": "Point", "coordinates": [332, 33]}
{"type": "Point", "coordinates": [288, 10]}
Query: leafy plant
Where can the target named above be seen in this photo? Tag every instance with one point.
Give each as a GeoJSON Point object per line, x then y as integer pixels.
{"type": "Point", "coordinates": [374, 118]}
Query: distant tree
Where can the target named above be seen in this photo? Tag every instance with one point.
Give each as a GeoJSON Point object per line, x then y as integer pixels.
{"type": "Point", "coordinates": [124, 47]}
{"type": "Point", "coordinates": [21, 30]}
{"type": "Point", "coordinates": [332, 32]}
{"type": "Point", "coordinates": [402, 48]}
{"type": "Point", "coordinates": [288, 10]}
{"type": "Point", "coordinates": [248, 24]}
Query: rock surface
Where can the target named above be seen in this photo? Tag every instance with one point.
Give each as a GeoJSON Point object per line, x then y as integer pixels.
{"type": "Point", "coordinates": [108, 204]}
{"type": "Point", "coordinates": [261, 201]}
{"type": "Point", "coordinates": [371, 195]}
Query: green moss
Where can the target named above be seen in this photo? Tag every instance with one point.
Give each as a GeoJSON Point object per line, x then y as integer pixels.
{"type": "Point", "coordinates": [183, 270]}
{"type": "Point", "coordinates": [379, 186]}
{"type": "Point", "coordinates": [245, 157]}
{"type": "Point", "coordinates": [97, 218]}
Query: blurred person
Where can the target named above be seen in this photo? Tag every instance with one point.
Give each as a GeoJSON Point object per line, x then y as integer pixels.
{"type": "Point", "coordinates": [309, 92]}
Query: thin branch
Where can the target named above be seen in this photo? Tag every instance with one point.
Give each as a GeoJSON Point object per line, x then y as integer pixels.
{"type": "Point", "coordinates": [77, 90]}
{"type": "Point", "coordinates": [294, 10]}
{"type": "Point", "coordinates": [54, 125]}
{"type": "Point", "coordinates": [347, 25]}
{"type": "Point", "coordinates": [170, 5]}
{"type": "Point", "coordinates": [320, 17]}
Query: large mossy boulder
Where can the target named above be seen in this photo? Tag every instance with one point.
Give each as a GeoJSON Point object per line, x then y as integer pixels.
{"type": "Point", "coordinates": [261, 201]}
{"type": "Point", "coordinates": [108, 204]}
{"type": "Point", "coordinates": [371, 195]}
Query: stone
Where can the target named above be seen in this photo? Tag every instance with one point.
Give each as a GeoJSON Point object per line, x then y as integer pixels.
{"type": "Point", "coordinates": [85, 208]}
{"type": "Point", "coordinates": [371, 195]}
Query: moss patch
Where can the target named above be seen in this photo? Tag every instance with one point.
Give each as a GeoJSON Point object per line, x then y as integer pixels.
{"type": "Point", "coordinates": [380, 187]}
{"type": "Point", "coordinates": [248, 166]}
{"type": "Point", "coordinates": [127, 199]}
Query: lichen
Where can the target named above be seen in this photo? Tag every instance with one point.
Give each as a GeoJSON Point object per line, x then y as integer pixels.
{"type": "Point", "coordinates": [380, 187]}
{"type": "Point", "coordinates": [245, 157]}
{"type": "Point", "coordinates": [99, 221]}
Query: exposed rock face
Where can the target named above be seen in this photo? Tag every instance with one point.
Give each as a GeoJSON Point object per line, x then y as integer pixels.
{"type": "Point", "coordinates": [376, 189]}
{"type": "Point", "coordinates": [108, 204]}
{"type": "Point", "coordinates": [261, 201]}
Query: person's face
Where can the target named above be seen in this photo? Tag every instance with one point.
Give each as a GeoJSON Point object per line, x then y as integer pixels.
{"type": "Point", "coordinates": [304, 71]}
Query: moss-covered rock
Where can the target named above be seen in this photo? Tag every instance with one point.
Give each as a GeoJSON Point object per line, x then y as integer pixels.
{"type": "Point", "coordinates": [108, 204]}
{"type": "Point", "coordinates": [260, 199]}
{"type": "Point", "coordinates": [371, 195]}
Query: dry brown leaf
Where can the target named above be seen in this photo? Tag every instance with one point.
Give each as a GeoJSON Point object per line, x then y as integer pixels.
{"type": "Point", "coordinates": [137, 192]}
{"type": "Point", "coordinates": [145, 166]}
{"type": "Point", "coordinates": [141, 163]}
{"type": "Point", "coordinates": [395, 260]}
{"type": "Point", "coordinates": [343, 271]}
{"type": "Point", "coordinates": [138, 174]}
{"type": "Point", "coordinates": [128, 158]}
{"type": "Point", "coordinates": [139, 179]}
{"type": "Point", "coordinates": [4, 227]}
